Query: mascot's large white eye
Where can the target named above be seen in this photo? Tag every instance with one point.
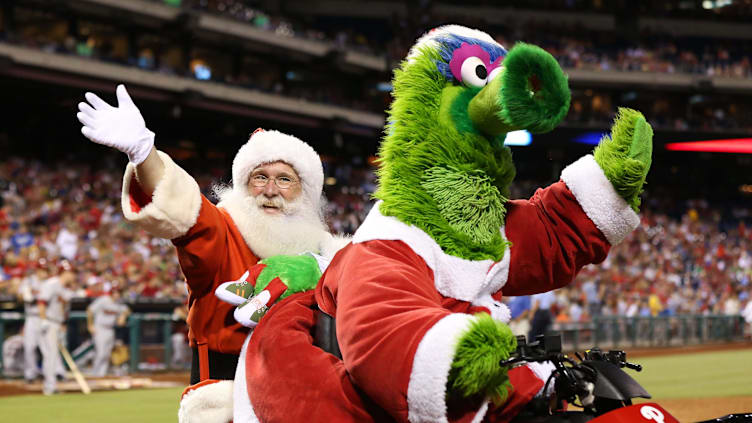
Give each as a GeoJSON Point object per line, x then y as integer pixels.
{"type": "Point", "coordinates": [494, 73]}
{"type": "Point", "coordinates": [474, 72]}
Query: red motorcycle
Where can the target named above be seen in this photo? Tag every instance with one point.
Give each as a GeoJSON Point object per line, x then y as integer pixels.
{"type": "Point", "coordinates": [594, 382]}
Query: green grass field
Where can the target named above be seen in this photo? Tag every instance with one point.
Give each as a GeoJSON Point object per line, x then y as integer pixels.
{"type": "Point", "coordinates": [696, 375]}
{"type": "Point", "coordinates": [142, 405]}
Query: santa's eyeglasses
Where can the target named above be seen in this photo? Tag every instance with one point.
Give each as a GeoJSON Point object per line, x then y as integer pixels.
{"type": "Point", "coordinates": [282, 182]}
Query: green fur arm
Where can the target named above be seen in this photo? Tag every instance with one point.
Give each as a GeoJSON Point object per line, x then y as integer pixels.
{"type": "Point", "coordinates": [299, 273]}
{"type": "Point", "coordinates": [475, 368]}
{"type": "Point", "coordinates": [625, 157]}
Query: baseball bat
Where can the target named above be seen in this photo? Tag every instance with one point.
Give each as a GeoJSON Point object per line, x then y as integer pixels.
{"type": "Point", "coordinates": [76, 373]}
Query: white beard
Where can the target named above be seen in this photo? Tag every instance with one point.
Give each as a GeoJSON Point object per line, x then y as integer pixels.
{"type": "Point", "coordinates": [299, 228]}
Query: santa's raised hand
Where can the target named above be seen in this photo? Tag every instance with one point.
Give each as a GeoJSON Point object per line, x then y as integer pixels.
{"type": "Point", "coordinates": [120, 127]}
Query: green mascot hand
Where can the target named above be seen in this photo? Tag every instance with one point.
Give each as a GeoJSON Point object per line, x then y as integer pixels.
{"type": "Point", "coordinates": [475, 368]}
{"type": "Point", "coordinates": [626, 155]}
{"type": "Point", "coordinates": [274, 278]}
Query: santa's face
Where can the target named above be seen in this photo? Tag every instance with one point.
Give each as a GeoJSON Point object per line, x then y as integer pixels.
{"type": "Point", "coordinates": [274, 186]}
{"type": "Point", "coordinates": [274, 214]}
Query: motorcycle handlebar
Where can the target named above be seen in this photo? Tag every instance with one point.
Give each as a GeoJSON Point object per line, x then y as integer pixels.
{"type": "Point", "coordinates": [548, 348]}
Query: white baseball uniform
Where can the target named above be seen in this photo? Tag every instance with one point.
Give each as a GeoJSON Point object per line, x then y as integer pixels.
{"type": "Point", "coordinates": [106, 312]}
{"type": "Point", "coordinates": [54, 295]}
{"type": "Point", "coordinates": [30, 289]}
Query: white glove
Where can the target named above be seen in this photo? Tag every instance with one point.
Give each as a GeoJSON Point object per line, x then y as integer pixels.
{"type": "Point", "coordinates": [120, 127]}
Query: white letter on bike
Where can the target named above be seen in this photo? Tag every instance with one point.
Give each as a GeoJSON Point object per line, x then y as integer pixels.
{"type": "Point", "coordinates": [651, 413]}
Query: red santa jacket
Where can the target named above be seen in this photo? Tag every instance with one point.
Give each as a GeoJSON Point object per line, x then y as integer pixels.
{"type": "Point", "coordinates": [210, 248]}
{"type": "Point", "coordinates": [401, 303]}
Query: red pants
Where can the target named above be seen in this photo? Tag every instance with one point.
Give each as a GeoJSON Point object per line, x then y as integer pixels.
{"type": "Point", "coordinates": [291, 380]}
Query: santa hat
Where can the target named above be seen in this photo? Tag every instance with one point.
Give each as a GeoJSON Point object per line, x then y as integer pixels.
{"type": "Point", "coordinates": [272, 146]}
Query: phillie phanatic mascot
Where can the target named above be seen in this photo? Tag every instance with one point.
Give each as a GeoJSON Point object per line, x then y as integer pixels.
{"type": "Point", "coordinates": [416, 295]}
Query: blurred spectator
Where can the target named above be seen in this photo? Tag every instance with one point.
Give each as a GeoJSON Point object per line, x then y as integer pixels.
{"type": "Point", "coordinates": [695, 264]}
{"type": "Point", "coordinates": [541, 313]}
{"type": "Point", "coordinates": [747, 314]}
{"type": "Point", "coordinates": [67, 241]}
{"type": "Point", "coordinates": [573, 46]}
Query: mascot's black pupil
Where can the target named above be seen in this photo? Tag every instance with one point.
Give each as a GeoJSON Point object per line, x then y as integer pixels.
{"type": "Point", "coordinates": [480, 70]}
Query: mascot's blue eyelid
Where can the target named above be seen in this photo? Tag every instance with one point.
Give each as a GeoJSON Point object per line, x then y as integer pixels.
{"type": "Point", "coordinates": [453, 42]}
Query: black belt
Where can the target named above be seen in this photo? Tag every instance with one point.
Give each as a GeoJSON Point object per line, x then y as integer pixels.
{"type": "Point", "coordinates": [325, 335]}
{"type": "Point", "coordinates": [221, 366]}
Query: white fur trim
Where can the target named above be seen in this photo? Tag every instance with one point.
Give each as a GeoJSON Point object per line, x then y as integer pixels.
{"type": "Point", "coordinates": [210, 403]}
{"type": "Point", "coordinates": [175, 203]}
{"type": "Point", "coordinates": [499, 310]}
{"type": "Point", "coordinates": [466, 280]}
{"type": "Point", "coordinates": [271, 146]}
{"type": "Point", "coordinates": [603, 205]}
{"type": "Point", "coordinates": [426, 392]}
{"type": "Point", "coordinates": [334, 243]}
{"type": "Point", "coordinates": [243, 412]}
{"type": "Point", "coordinates": [429, 39]}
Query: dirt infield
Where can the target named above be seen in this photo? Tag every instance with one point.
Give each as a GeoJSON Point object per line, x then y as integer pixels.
{"type": "Point", "coordinates": [10, 387]}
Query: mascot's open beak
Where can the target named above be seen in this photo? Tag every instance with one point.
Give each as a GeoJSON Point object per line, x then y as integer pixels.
{"type": "Point", "coordinates": [530, 93]}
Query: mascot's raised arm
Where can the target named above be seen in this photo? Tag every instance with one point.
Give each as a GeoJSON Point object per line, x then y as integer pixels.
{"type": "Point", "coordinates": [416, 295]}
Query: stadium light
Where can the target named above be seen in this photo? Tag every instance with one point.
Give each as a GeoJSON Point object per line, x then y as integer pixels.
{"type": "Point", "coordinates": [732, 145]}
{"type": "Point", "coordinates": [589, 138]}
{"type": "Point", "coordinates": [518, 138]}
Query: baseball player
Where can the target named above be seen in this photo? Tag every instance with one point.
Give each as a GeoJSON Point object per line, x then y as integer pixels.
{"type": "Point", "coordinates": [28, 292]}
{"type": "Point", "coordinates": [52, 298]}
{"type": "Point", "coordinates": [102, 315]}
{"type": "Point", "coordinates": [13, 355]}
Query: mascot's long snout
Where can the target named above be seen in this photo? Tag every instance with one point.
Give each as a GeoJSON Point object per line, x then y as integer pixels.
{"type": "Point", "coordinates": [530, 93]}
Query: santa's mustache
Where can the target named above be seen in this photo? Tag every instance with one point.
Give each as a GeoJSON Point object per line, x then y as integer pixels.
{"type": "Point", "coordinates": [278, 202]}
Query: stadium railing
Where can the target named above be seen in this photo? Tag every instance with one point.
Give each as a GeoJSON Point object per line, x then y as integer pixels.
{"type": "Point", "coordinates": [149, 334]}
{"type": "Point", "coordinates": [145, 332]}
{"type": "Point", "coordinates": [645, 332]}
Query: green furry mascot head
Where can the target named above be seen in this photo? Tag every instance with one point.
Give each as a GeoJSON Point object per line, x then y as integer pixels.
{"type": "Point", "coordinates": [443, 166]}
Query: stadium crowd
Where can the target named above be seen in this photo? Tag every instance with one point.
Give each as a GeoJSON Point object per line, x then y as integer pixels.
{"type": "Point", "coordinates": [665, 268]}
{"type": "Point", "coordinates": [572, 45]}
{"type": "Point", "coordinates": [67, 215]}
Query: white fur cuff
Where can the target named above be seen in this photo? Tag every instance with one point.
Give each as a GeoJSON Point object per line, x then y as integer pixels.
{"type": "Point", "coordinates": [211, 403]}
{"type": "Point", "coordinates": [603, 205]}
{"type": "Point", "coordinates": [426, 392]}
{"type": "Point", "coordinates": [499, 311]}
{"type": "Point", "coordinates": [174, 206]}
{"type": "Point", "coordinates": [543, 372]}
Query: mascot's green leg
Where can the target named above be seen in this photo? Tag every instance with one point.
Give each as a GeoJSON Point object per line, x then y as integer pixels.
{"type": "Point", "coordinates": [475, 368]}
{"type": "Point", "coordinates": [625, 157]}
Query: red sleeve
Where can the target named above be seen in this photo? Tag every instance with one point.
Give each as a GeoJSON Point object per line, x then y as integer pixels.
{"type": "Point", "coordinates": [388, 296]}
{"type": "Point", "coordinates": [203, 248]}
{"type": "Point", "coordinates": [138, 198]}
{"type": "Point", "coordinates": [552, 239]}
